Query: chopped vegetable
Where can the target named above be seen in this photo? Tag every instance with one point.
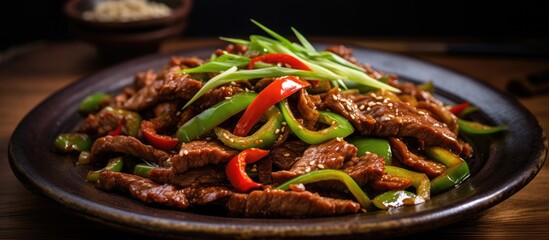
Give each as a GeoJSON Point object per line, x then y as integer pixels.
{"type": "Point", "coordinates": [379, 146]}
{"type": "Point", "coordinates": [338, 126]}
{"type": "Point", "coordinates": [457, 109]}
{"type": "Point", "coordinates": [236, 169]}
{"type": "Point", "coordinates": [419, 180]}
{"type": "Point", "coordinates": [94, 103]}
{"type": "Point", "coordinates": [262, 138]}
{"type": "Point", "coordinates": [394, 199]}
{"type": "Point", "coordinates": [330, 174]}
{"type": "Point", "coordinates": [72, 142]}
{"type": "Point", "coordinates": [159, 141]}
{"type": "Point", "coordinates": [279, 89]}
{"type": "Point", "coordinates": [457, 170]}
{"type": "Point", "coordinates": [476, 128]}
{"type": "Point", "coordinates": [131, 121]}
{"type": "Point", "coordinates": [114, 164]}
{"type": "Point", "coordinates": [213, 116]}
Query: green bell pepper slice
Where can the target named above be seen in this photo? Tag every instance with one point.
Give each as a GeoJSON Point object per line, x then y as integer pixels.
{"type": "Point", "coordinates": [262, 138]}
{"type": "Point", "coordinates": [72, 142]}
{"type": "Point", "coordinates": [213, 116]}
{"type": "Point", "coordinates": [142, 170]}
{"type": "Point", "coordinates": [419, 180]}
{"type": "Point", "coordinates": [331, 174]}
{"type": "Point", "coordinates": [114, 164]}
{"type": "Point", "coordinates": [394, 199]}
{"type": "Point", "coordinates": [339, 126]}
{"type": "Point", "coordinates": [132, 120]}
{"type": "Point", "coordinates": [94, 103]}
{"type": "Point", "coordinates": [457, 170]}
{"type": "Point", "coordinates": [476, 128]}
{"type": "Point", "coordinates": [379, 146]}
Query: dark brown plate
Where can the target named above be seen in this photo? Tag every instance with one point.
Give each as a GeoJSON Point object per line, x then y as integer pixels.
{"type": "Point", "coordinates": [500, 169]}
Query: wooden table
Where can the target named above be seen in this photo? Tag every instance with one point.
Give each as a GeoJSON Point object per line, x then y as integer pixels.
{"type": "Point", "coordinates": [41, 69]}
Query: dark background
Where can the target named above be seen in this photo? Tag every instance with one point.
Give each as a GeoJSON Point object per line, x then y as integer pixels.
{"type": "Point", "coordinates": [524, 21]}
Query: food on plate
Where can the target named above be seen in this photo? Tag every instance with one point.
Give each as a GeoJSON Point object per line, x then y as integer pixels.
{"type": "Point", "coordinates": [126, 11]}
{"type": "Point", "coordinates": [271, 128]}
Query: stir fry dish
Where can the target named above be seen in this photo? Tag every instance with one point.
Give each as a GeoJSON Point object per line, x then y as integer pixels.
{"type": "Point", "coordinates": [270, 128]}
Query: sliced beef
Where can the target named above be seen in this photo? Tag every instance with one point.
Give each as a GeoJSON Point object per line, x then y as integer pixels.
{"type": "Point", "coordinates": [173, 86]}
{"type": "Point", "coordinates": [285, 155]}
{"type": "Point", "coordinates": [199, 153]}
{"type": "Point", "coordinates": [278, 203]}
{"type": "Point", "coordinates": [395, 118]}
{"type": "Point", "coordinates": [99, 124]}
{"type": "Point", "coordinates": [390, 183]}
{"type": "Point", "coordinates": [186, 62]}
{"type": "Point", "coordinates": [205, 176]}
{"type": "Point", "coordinates": [216, 95]}
{"type": "Point", "coordinates": [149, 192]}
{"type": "Point", "coordinates": [366, 168]}
{"type": "Point", "coordinates": [440, 113]}
{"type": "Point", "coordinates": [143, 79]}
{"type": "Point", "coordinates": [415, 91]}
{"type": "Point", "coordinates": [345, 107]}
{"type": "Point", "coordinates": [403, 155]}
{"type": "Point", "coordinates": [307, 109]}
{"type": "Point", "coordinates": [328, 155]}
{"type": "Point", "coordinates": [109, 145]}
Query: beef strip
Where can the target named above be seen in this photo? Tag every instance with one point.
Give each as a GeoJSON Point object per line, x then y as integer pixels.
{"type": "Point", "coordinates": [278, 203]}
{"type": "Point", "coordinates": [285, 155]}
{"type": "Point", "coordinates": [328, 155]}
{"type": "Point", "coordinates": [99, 124]}
{"type": "Point", "coordinates": [172, 86]}
{"type": "Point", "coordinates": [149, 191]}
{"type": "Point", "coordinates": [307, 109]}
{"type": "Point", "coordinates": [389, 183]}
{"type": "Point", "coordinates": [143, 79]}
{"type": "Point", "coordinates": [121, 144]}
{"type": "Point", "coordinates": [345, 106]}
{"type": "Point", "coordinates": [205, 176]}
{"type": "Point", "coordinates": [401, 153]}
{"type": "Point", "coordinates": [441, 114]}
{"type": "Point", "coordinates": [395, 118]}
{"type": "Point", "coordinates": [366, 168]}
{"type": "Point", "coordinates": [199, 153]}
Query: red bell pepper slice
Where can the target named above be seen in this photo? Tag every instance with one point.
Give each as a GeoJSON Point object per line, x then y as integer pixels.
{"type": "Point", "coordinates": [158, 141]}
{"type": "Point", "coordinates": [275, 58]}
{"type": "Point", "coordinates": [236, 169]}
{"type": "Point", "coordinates": [276, 91]}
{"type": "Point", "coordinates": [118, 130]}
{"type": "Point", "coordinates": [457, 109]}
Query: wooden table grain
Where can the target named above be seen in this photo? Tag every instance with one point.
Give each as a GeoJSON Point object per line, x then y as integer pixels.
{"type": "Point", "coordinates": [38, 71]}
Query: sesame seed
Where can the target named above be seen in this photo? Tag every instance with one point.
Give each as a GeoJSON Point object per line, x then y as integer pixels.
{"type": "Point", "coordinates": [277, 131]}
{"type": "Point", "coordinates": [334, 97]}
{"type": "Point", "coordinates": [339, 139]}
{"type": "Point", "coordinates": [385, 100]}
{"type": "Point", "coordinates": [353, 117]}
{"type": "Point", "coordinates": [321, 166]}
{"type": "Point", "coordinates": [371, 104]}
{"type": "Point", "coordinates": [208, 138]}
{"type": "Point", "coordinates": [286, 155]}
{"type": "Point", "coordinates": [307, 169]}
{"type": "Point", "coordinates": [233, 83]}
{"type": "Point", "coordinates": [368, 109]}
{"type": "Point", "coordinates": [231, 140]}
{"type": "Point", "coordinates": [227, 98]}
{"type": "Point", "coordinates": [178, 113]}
{"type": "Point", "coordinates": [284, 123]}
{"type": "Point", "coordinates": [333, 122]}
{"type": "Point", "coordinates": [390, 104]}
{"type": "Point", "coordinates": [185, 152]}
{"type": "Point", "coordinates": [361, 107]}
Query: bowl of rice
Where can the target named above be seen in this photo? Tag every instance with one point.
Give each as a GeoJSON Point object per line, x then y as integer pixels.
{"type": "Point", "coordinates": [127, 28]}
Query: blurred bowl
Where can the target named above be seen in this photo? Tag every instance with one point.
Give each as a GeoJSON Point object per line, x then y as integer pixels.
{"type": "Point", "coordinates": [120, 40]}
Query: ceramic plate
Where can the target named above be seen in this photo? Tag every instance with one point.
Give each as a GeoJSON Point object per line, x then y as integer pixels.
{"type": "Point", "coordinates": [499, 170]}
